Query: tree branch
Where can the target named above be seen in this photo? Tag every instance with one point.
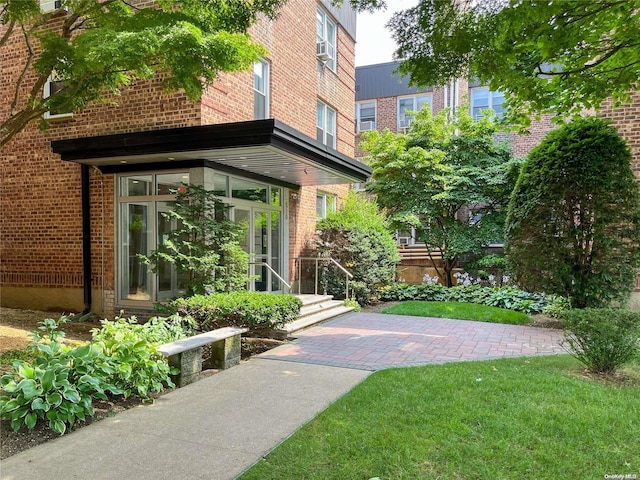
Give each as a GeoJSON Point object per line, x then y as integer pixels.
{"type": "Point", "coordinates": [7, 34]}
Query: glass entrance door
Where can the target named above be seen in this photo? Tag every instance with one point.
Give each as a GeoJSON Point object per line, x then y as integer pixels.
{"type": "Point", "coordinates": [262, 240]}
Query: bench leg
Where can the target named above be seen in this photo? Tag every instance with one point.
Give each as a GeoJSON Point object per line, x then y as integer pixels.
{"type": "Point", "coordinates": [190, 365]}
{"type": "Point", "coordinates": [225, 353]}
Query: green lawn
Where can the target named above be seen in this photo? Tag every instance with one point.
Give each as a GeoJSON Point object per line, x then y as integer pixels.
{"type": "Point", "coordinates": [460, 311]}
{"type": "Point", "coordinates": [530, 418]}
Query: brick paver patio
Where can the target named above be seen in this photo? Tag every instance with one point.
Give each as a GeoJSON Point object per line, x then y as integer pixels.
{"type": "Point", "coordinates": [372, 341]}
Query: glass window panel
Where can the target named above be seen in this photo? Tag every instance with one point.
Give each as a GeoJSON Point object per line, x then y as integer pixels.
{"type": "Point", "coordinates": [168, 183]}
{"type": "Point", "coordinates": [258, 76]}
{"type": "Point", "coordinates": [135, 239]}
{"type": "Point", "coordinates": [497, 99]}
{"type": "Point", "coordinates": [368, 112]}
{"type": "Point", "coordinates": [276, 196]}
{"type": "Point", "coordinates": [247, 190]}
{"type": "Point", "coordinates": [320, 25]}
{"type": "Point", "coordinates": [320, 202]}
{"type": "Point", "coordinates": [220, 185]}
{"type": "Point", "coordinates": [135, 186]}
{"type": "Point", "coordinates": [276, 285]}
{"type": "Point", "coordinates": [331, 121]}
{"type": "Point", "coordinates": [241, 217]}
{"type": "Point", "coordinates": [320, 115]}
{"type": "Point", "coordinates": [422, 101]}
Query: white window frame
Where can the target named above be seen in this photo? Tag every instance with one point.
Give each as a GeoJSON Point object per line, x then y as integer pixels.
{"type": "Point", "coordinates": [264, 93]}
{"type": "Point", "coordinates": [47, 6]}
{"type": "Point", "coordinates": [322, 124]}
{"type": "Point", "coordinates": [153, 199]}
{"type": "Point", "coordinates": [404, 120]}
{"type": "Point", "coordinates": [329, 202]}
{"type": "Point", "coordinates": [46, 93]}
{"type": "Point", "coordinates": [323, 22]}
{"type": "Point", "coordinates": [359, 120]}
{"type": "Point", "coordinates": [492, 95]}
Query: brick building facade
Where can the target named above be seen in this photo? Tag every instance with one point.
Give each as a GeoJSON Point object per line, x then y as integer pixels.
{"type": "Point", "coordinates": [222, 141]}
{"type": "Point", "coordinates": [380, 88]}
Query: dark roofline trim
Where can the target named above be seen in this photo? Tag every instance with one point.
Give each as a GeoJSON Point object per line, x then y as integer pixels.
{"type": "Point", "coordinates": [268, 132]}
{"type": "Point", "coordinates": [196, 163]}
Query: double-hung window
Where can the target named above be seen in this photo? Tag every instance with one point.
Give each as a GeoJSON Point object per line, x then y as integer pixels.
{"type": "Point", "coordinates": [408, 105]}
{"type": "Point", "coordinates": [366, 116]}
{"type": "Point", "coordinates": [53, 85]}
{"type": "Point", "coordinates": [325, 203]}
{"type": "Point", "coordinates": [326, 39]}
{"type": "Point", "coordinates": [261, 90]}
{"type": "Point", "coordinates": [326, 125]}
{"type": "Point", "coordinates": [483, 99]}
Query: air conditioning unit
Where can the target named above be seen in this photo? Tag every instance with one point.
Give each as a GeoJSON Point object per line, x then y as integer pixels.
{"type": "Point", "coordinates": [324, 51]}
{"type": "Point", "coordinates": [50, 5]}
{"type": "Point", "coordinates": [366, 126]}
{"type": "Point", "coordinates": [404, 123]}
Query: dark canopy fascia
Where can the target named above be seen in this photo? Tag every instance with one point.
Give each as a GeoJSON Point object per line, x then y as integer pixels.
{"type": "Point", "coordinates": [266, 149]}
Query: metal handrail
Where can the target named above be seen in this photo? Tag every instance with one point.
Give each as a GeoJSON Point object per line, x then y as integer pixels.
{"type": "Point", "coordinates": [347, 273]}
{"type": "Point", "coordinates": [266, 264]}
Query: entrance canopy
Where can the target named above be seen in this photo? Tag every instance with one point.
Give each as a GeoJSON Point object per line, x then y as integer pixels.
{"type": "Point", "coordinates": [266, 150]}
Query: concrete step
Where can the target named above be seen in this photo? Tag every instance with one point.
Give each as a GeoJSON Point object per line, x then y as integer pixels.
{"type": "Point", "coordinates": [311, 299]}
{"type": "Point", "coordinates": [312, 317]}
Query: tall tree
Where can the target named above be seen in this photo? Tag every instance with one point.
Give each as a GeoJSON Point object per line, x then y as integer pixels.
{"type": "Point", "coordinates": [547, 56]}
{"type": "Point", "coordinates": [447, 178]}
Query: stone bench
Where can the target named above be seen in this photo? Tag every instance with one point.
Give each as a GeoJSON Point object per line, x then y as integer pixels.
{"type": "Point", "coordinates": [186, 354]}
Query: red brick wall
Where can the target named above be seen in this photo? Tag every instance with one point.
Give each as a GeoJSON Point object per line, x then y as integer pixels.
{"type": "Point", "coordinates": [41, 228]}
{"type": "Point", "coordinates": [626, 119]}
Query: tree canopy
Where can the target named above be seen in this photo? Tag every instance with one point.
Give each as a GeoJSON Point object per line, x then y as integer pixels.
{"type": "Point", "coordinates": [573, 225]}
{"type": "Point", "coordinates": [97, 47]}
{"type": "Point", "coordinates": [447, 178]}
{"type": "Point", "coordinates": [547, 56]}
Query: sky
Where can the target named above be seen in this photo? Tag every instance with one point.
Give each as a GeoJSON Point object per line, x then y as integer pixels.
{"type": "Point", "coordinates": [374, 43]}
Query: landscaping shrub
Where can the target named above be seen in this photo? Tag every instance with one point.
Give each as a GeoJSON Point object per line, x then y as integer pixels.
{"type": "Point", "coordinates": [573, 225]}
{"type": "Point", "coordinates": [503, 297]}
{"type": "Point", "coordinates": [138, 367]}
{"type": "Point", "coordinates": [357, 237]}
{"type": "Point", "coordinates": [61, 382]}
{"type": "Point", "coordinates": [258, 311]}
{"type": "Point", "coordinates": [59, 385]}
{"type": "Point", "coordinates": [602, 339]}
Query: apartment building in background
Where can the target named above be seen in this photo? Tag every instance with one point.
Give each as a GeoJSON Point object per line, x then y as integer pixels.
{"type": "Point", "coordinates": [384, 99]}
{"type": "Point", "coordinates": [81, 201]}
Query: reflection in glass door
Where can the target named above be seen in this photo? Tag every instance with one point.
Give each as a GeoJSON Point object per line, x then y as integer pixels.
{"type": "Point", "coordinates": [262, 240]}
{"type": "Point", "coordinates": [136, 241]}
{"type": "Point", "coordinates": [260, 249]}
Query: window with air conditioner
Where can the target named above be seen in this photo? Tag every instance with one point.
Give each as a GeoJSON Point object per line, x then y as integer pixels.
{"type": "Point", "coordinates": [484, 99]}
{"type": "Point", "coordinates": [326, 125]}
{"type": "Point", "coordinates": [407, 106]}
{"type": "Point", "coordinates": [54, 85]}
{"type": "Point", "coordinates": [326, 39]}
{"type": "Point", "coordinates": [365, 116]}
{"type": "Point", "coordinates": [50, 5]}
{"type": "Point", "coordinates": [261, 90]}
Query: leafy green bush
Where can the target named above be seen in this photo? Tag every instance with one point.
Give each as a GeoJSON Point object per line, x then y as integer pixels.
{"type": "Point", "coordinates": [137, 365]}
{"type": "Point", "coordinates": [357, 237]}
{"type": "Point", "coordinates": [62, 381]}
{"type": "Point", "coordinates": [60, 384]}
{"type": "Point", "coordinates": [602, 339]}
{"type": "Point", "coordinates": [573, 225]}
{"type": "Point", "coordinates": [502, 297]}
{"type": "Point", "coordinates": [257, 311]}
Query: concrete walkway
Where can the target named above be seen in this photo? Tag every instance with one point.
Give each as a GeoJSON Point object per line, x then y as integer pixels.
{"type": "Point", "coordinates": [218, 427]}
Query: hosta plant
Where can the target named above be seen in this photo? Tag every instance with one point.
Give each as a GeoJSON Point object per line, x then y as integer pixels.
{"type": "Point", "coordinates": [60, 384]}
